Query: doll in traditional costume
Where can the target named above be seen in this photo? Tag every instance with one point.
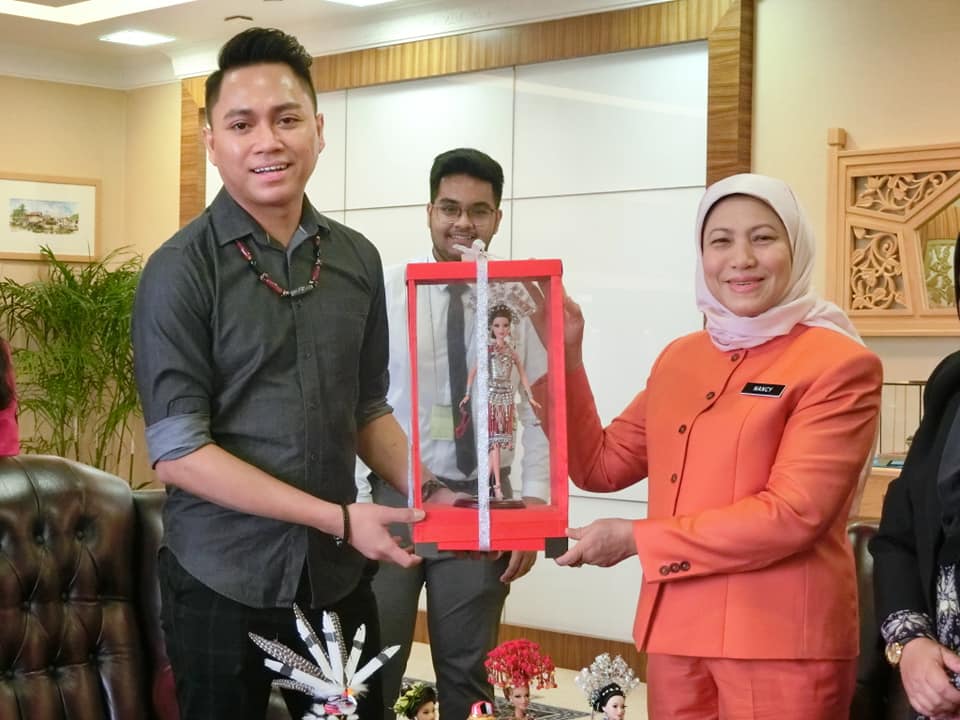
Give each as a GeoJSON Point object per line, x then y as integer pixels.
{"type": "Point", "coordinates": [332, 676]}
{"type": "Point", "coordinates": [606, 684]}
{"type": "Point", "coordinates": [416, 702]}
{"type": "Point", "coordinates": [515, 666]}
{"type": "Point", "coordinates": [482, 710]}
{"type": "Point", "coordinates": [501, 358]}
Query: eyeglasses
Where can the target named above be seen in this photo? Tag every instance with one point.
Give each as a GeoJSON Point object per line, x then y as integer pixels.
{"type": "Point", "coordinates": [477, 214]}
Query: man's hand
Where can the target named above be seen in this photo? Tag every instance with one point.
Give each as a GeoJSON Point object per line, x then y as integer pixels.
{"type": "Point", "coordinates": [446, 496]}
{"type": "Point", "coordinates": [603, 543]}
{"type": "Point", "coordinates": [521, 561]}
{"type": "Point", "coordinates": [923, 670]}
{"type": "Point", "coordinates": [370, 535]}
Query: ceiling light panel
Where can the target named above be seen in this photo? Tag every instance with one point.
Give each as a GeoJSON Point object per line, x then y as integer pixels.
{"type": "Point", "coordinates": [87, 11]}
{"type": "Point", "coordinates": [360, 3]}
{"type": "Point", "coordinates": [136, 37]}
{"type": "Point", "coordinates": [53, 3]}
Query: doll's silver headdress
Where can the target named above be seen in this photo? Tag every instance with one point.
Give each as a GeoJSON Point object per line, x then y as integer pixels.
{"type": "Point", "coordinates": [604, 679]}
{"type": "Point", "coordinates": [509, 294]}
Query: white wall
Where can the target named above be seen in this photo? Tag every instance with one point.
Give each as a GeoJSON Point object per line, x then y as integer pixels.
{"type": "Point", "coordinates": [605, 159]}
{"type": "Point", "coordinates": [883, 70]}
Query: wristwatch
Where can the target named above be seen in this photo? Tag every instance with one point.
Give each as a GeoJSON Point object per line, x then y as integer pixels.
{"type": "Point", "coordinates": [893, 653]}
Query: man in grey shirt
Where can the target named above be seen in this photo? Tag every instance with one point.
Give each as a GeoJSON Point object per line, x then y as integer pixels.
{"type": "Point", "coordinates": [260, 346]}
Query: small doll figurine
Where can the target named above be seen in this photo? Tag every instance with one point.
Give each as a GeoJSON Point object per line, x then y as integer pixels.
{"type": "Point", "coordinates": [333, 677]}
{"type": "Point", "coordinates": [606, 684]}
{"type": "Point", "coordinates": [515, 666]}
{"type": "Point", "coordinates": [416, 702]}
{"type": "Point", "coordinates": [502, 358]}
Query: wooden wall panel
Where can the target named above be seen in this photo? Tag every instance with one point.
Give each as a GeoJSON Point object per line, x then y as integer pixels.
{"type": "Point", "coordinates": [730, 93]}
{"type": "Point", "coordinates": [567, 651]}
{"type": "Point", "coordinates": [945, 224]}
{"type": "Point", "coordinates": [192, 159]}
{"type": "Point", "coordinates": [726, 25]}
{"type": "Point", "coordinates": [630, 29]}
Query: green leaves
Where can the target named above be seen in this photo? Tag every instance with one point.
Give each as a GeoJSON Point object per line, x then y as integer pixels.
{"type": "Point", "coordinates": [70, 335]}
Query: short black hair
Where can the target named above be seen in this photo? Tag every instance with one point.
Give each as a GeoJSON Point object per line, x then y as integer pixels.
{"type": "Point", "coordinates": [256, 46]}
{"type": "Point", "coordinates": [467, 161]}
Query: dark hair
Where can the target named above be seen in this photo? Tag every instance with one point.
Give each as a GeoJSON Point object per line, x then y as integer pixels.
{"type": "Point", "coordinates": [6, 388]}
{"type": "Point", "coordinates": [498, 311]}
{"type": "Point", "coordinates": [426, 694]}
{"type": "Point", "coordinates": [467, 161]}
{"type": "Point", "coordinates": [956, 275]}
{"type": "Point", "coordinates": [256, 46]}
{"type": "Point", "coordinates": [605, 694]}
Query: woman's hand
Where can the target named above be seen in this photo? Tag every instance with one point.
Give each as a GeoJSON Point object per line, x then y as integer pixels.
{"type": "Point", "coordinates": [603, 543]}
{"type": "Point", "coordinates": [572, 323]}
{"type": "Point", "coordinates": [923, 670]}
{"type": "Point", "coordinates": [464, 401]}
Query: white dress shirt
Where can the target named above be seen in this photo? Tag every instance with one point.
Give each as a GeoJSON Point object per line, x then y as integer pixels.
{"type": "Point", "coordinates": [437, 453]}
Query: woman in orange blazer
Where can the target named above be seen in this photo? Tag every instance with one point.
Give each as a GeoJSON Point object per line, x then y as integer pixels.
{"type": "Point", "coordinates": [753, 434]}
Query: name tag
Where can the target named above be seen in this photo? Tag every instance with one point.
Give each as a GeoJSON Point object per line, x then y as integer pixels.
{"type": "Point", "coordinates": [763, 390]}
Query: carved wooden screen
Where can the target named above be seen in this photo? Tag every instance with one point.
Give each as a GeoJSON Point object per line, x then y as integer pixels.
{"type": "Point", "coordinates": [892, 221]}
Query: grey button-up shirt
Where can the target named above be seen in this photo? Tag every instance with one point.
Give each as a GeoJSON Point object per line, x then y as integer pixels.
{"type": "Point", "coordinates": [280, 383]}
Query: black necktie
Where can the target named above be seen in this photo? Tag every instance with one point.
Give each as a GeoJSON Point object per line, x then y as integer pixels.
{"type": "Point", "coordinates": [457, 362]}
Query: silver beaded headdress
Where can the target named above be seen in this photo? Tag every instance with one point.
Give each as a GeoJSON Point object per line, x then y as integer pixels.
{"type": "Point", "coordinates": [508, 294]}
{"type": "Point", "coordinates": [604, 679]}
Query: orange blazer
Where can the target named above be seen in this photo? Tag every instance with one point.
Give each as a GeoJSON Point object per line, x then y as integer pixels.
{"type": "Point", "coordinates": [753, 458]}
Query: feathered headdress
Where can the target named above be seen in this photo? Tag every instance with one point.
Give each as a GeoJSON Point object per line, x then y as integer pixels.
{"type": "Point", "coordinates": [604, 679]}
{"type": "Point", "coordinates": [518, 663]}
{"type": "Point", "coordinates": [412, 698]}
{"type": "Point", "coordinates": [334, 682]}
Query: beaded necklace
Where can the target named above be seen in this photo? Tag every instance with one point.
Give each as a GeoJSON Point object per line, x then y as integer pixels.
{"type": "Point", "coordinates": [266, 278]}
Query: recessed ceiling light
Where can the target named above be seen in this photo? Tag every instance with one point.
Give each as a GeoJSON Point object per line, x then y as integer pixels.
{"type": "Point", "coordinates": [137, 37]}
{"type": "Point", "coordinates": [360, 3]}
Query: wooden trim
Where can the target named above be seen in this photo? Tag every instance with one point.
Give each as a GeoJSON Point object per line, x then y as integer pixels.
{"type": "Point", "coordinates": [726, 25]}
{"type": "Point", "coordinates": [836, 278]}
{"type": "Point", "coordinates": [595, 34]}
{"type": "Point", "coordinates": [730, 93]}
{"type": "Point", "coordinates": [193, 174]}
{"type": "Point", "coordinates": [566, 650]}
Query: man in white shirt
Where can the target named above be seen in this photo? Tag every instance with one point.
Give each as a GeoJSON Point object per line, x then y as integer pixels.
{"type": "Point", "coordinates": [465, 596]}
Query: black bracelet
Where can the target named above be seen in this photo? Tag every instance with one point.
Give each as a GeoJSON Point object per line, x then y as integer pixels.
{"type": "Point", "coordinates": [345, 537]}
{"type": "Point", "coordinates": [430, 487]}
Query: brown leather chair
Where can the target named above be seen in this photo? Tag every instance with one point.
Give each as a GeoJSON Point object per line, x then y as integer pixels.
{"type": "Point", "coordinates": [879, 694]}
{"type": "Point", "coordinates": [80, 633]}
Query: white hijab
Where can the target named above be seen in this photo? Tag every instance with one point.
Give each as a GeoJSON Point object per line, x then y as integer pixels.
{"type": "Point", "coordinates": [799, 306]}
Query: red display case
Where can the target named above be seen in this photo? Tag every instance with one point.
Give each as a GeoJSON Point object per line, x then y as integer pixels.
{"type": "Point", "coordinates": [493, 525]}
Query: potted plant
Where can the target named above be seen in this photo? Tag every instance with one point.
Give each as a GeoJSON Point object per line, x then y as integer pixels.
{"type": "Point", "coordinates": [69, 333]}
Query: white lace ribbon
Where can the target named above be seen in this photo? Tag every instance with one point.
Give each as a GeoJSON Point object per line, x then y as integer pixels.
{"type": "Point", "coordinates": [481, 407]}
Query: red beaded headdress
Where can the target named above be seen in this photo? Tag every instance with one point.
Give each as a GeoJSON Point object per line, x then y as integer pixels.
{"type": "Point", "coordinates": [518, 663]}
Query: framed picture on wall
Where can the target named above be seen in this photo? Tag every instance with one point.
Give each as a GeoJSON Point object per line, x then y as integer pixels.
{"type": "Point", "coordinates": [46, 211]}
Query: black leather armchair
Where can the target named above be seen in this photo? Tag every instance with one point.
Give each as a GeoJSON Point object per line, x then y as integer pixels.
{"type": "Point", "coordinates": [879, 694]}
{"type": "Point", "coordinates": [80, 633]}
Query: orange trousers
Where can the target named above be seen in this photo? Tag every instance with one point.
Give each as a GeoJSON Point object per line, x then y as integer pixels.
{"type": "Point", "coordinates": [690, 688]}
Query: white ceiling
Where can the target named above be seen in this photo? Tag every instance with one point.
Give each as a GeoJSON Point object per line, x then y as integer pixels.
{"type": "Point", "coordinates": [72, 53]}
